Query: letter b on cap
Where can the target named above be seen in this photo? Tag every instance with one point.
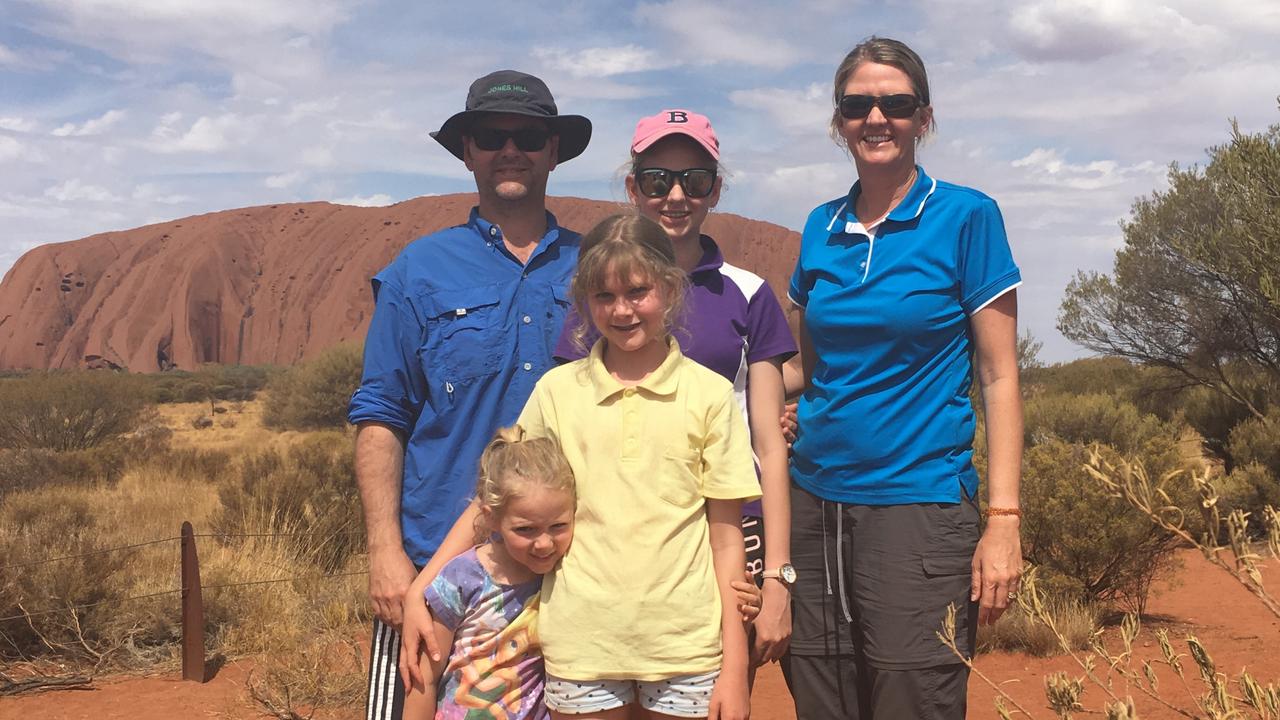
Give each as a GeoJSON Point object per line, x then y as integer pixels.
{"type": "Point", "coordinates": [677, 116]}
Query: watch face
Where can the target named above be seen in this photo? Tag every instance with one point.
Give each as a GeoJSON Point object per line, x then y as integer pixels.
{"type": "Point", "coordinates": [787, 573]}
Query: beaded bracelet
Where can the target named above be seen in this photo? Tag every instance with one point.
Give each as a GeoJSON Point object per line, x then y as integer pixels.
{"type": "Point", "coordinates": [988, 512]}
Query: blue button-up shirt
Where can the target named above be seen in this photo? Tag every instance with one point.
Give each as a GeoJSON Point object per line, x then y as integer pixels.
{"type": "Point", "coordinates": [461, 331]}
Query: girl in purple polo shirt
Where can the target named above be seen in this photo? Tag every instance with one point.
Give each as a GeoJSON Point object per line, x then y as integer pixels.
{"type": "Point", "coordinates": [732, 325]}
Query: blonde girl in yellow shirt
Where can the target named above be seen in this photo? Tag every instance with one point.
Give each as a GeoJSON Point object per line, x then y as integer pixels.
{"type": "Point", "coordinates": [642, 609]}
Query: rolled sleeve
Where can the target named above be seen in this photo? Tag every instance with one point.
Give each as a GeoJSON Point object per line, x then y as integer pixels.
{"type": "Point", "coordinates": [392, 386]}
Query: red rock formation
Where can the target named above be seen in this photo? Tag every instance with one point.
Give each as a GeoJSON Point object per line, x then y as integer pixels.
{"type": "Point", "coordinates": [271, 284]}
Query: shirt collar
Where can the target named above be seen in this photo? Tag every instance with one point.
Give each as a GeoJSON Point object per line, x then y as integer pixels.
{"type": "Point", "coordinates": [712, 258]}
{"type": "Point", "coordinates": [661, 382]}
{"type": "Point", "coordinates": [909, 208]}
{"type": "Point", "coordinates": [489, 231]}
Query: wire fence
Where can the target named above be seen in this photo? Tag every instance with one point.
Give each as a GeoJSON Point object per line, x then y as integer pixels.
{"type": "Point", "coordinates": [26, 615]}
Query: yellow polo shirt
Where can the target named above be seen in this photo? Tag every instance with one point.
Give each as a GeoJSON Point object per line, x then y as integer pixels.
{"type": "Point", "coordinates": [635, 597]}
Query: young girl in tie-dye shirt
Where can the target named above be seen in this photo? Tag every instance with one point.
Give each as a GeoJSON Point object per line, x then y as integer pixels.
{"type": "Point", "coordinates": [485, 601]}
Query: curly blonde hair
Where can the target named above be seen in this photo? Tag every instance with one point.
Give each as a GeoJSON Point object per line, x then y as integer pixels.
{"type": "Point", "coordinates": [627, 245]}
{"type": "Point", "coordinates": [512, 462]}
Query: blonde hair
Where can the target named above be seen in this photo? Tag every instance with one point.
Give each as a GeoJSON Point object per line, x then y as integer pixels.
{"type": "Point", "coordinates": [511, 462]}
{"type": "Point", "coordinates": [627, 245]}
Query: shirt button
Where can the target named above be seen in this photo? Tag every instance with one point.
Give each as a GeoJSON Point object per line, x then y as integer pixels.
{"type": "Point", "coordinates": [493, 231]}
{"type": "Point", "coordinates": [528, 366]}
{"type": "Point", "coordinates": [628, 392]}
{"type": "Point", "coordinates": [527, 319]}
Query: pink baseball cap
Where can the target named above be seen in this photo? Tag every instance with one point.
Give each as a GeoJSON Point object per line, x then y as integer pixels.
{"type": "Point", "coordinates": [675, 122]}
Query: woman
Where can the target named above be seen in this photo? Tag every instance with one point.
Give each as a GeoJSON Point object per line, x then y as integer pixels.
{"type": "Point", "coordinates": [900, 282]}
{"type": "Point", "coordinates": [732, 325]}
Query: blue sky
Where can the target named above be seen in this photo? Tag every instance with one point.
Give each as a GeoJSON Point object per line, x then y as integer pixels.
{"type": "Point", "coordinates": [119, 113]}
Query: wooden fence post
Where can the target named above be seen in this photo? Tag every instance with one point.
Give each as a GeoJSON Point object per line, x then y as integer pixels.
{"type": "Point", "coordinates": [192, 609]}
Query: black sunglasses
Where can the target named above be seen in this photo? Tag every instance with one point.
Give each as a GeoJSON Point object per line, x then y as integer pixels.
{"type": "Point", "coordinates": [856, 107]}
{"type": "Point", "coordinates": [528, 139]}
{"type": "Point", "coordinates": [657, 182]}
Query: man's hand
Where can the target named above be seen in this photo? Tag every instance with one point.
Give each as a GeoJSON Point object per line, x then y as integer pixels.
{"type": "Point", "coordinates": [390, 573]}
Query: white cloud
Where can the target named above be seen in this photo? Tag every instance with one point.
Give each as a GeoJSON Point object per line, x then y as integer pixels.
{"type": "Point", "coordinates": [794, 111]}
{"type": "Point", "coordinates": [94, 126]}
{"type": "Point", "coordinates": [149, 192]}
{"type": "Point", "coordinates": [206, 134]}
{"type": "Point", "coordinates": [317, 156]}
{"type": "Point", "coordinates": [1047, 165]}
{"type": "Point", "coordinates": [283, 180]}
{"type": "Point", "coordinates": [7, 56]}
{"type": "Point", "coordinates": [375, 200]}
{"type": "Point", "coordinates": [1088, 30]}
{"type": "Point", "coordinates": [17, 124]}
{"type": "Point", "coordinates": [10, 149]}
{"type": "Point", "coordinates": [74, 190]}
{"type": "Point", "coordinates": [711, 32]}
{"type": "Point", "coordinates": [605, 61]}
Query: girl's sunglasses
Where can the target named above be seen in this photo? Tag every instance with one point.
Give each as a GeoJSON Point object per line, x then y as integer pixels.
{"type": "Point", "coordinates": [528, 139]}
{"type": "Point", "coordinates": [856, 107]}
{"type": "Point", "coordinates": [657, 182]}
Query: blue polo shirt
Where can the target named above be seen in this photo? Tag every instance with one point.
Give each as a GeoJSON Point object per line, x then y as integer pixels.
{"type": "Point", "coordinates": [887, 419]}
{"type": "Point", "coordinates": [731, 319]}
{"type": "Point", "coordinates": [461, 331]}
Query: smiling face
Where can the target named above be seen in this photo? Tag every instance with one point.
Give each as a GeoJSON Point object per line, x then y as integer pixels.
{"type": "Point", "coordinates": [679, 215]}
{"type": "Point", "coordinates": [510, 174]}
{"type": "Point", "coordinates": [878, 142]}
{"type": "Point", "coordinates": [536, 526]}
{"type": "Point", "coordinates": [630, 314]}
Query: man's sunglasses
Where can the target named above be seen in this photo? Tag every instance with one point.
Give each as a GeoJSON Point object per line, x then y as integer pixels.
{"type": "Point", "coordinates": [657, 182]}
{"type": "Point", "coordinates": [528, 139]}
{"type": "Point", "coordinates": [856, 107]}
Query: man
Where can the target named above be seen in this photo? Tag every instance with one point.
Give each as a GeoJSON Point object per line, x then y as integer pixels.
{"type": "Point", "coordinates": [464, 324]}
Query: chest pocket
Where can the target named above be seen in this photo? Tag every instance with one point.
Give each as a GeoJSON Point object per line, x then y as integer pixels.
{"type": "Point", "coordinates": [465, 333]}
{"type": "Point", "coordinates": [680, 483]}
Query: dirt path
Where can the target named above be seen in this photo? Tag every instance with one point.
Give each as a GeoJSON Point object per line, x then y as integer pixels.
{"type": "Point", "coordinates": [1233, 626]}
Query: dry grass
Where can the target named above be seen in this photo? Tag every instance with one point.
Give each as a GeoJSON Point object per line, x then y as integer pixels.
{"type": "Point", "coordinates": [304, 624]}
{"type": "Point", "coordinates": [1018, 631]}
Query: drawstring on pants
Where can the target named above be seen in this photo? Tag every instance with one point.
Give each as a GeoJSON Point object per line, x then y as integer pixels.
{"type": "Point", "coordinates": [826, 566]}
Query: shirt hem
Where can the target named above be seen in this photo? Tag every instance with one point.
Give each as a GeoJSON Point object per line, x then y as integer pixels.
{"type": "Point", "coordinates": [887, 498]}
{"type": "Point", "coordinates": [640, 675]}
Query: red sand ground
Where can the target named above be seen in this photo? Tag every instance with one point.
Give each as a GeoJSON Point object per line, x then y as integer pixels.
{"type": "Point", "coordinates": [1234, 627]}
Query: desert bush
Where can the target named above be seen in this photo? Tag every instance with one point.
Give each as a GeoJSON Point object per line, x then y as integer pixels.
{"type": "Point", "coordinates": [1104, 376]}
{"type": "Point", "coordinates": [306, 490]}
{"type": "Point", "coordinates": [313, 395]}
{"type": "Point", "coordinates": [1089, 545]}
{"type": "Point", "coordinates": [28, 469]}
{"type": "Point", "coordinates": [68, 410]}
{"type": "Point", "coordinates": [1019, 631]}
{"type": "Point", "coordinates": [229, 383]}
{"type": "Point", "coordinates": [1214, 415]}
{"type": "Point", "coordinates": [1106, 419]}
{"type": "Point", "coordinates": [1257, 440]}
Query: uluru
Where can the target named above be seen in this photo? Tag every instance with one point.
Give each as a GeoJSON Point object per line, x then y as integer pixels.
{"type": "Point", "coordinates": [272, 284]}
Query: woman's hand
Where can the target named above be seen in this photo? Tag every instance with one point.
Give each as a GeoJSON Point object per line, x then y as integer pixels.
{"type": "Point", "coordinates": [730, 698]}
{"type": "Point", "coordinates": [997, 567]}
{"type": "Point", "coordinates": [417, 638]}
{"type": "Point", "coordinates": [749, 597]}
{"type": "Point", "coordinates": [773, 626]}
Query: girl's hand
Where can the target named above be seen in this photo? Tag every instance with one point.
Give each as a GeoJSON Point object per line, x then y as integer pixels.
{"type": "Point", "coordinates": [417, 637]}
{"type": "Point", "coordinates": [730, 698]}
{"type": "Point", "coordinates": [773, 626]}
{"type": "Point", "coordinates": [790, 426]}
{"type": "Point", "coordinates": [749, 597]}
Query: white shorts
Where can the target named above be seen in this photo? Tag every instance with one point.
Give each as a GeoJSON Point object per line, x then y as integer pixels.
{"type": "Point", "coordinates": [681, 696]}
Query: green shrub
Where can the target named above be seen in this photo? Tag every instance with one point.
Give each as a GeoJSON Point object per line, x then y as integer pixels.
{"type": "Point", "coordinates": [1090, 546]}
{"type": "Point", "coordinates": [68, 410]}
{"type": "Point", "coordinates": [1095, 418]}
{"type": "Point", "coordinates": [314, 395]}
{"type": "Point", "coordinates": [228, 383]}
{"type": "Point", "coordinates": [307, 492]}
{"type": "Point", "coordinates": [1257, 441]}
{"type": "Point", "coordinates": [28, 469]}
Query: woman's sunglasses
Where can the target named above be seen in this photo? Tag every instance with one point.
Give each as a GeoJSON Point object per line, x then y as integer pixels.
{"type": "Point", "coordinates": [657, 182]}
{"type": "Point", "coordinates": [528, 139]}
{"type": "Point", "coordinates": [856, 107]}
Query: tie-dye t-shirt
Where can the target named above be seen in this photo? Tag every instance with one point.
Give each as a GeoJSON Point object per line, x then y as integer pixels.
{"type": "Point", "coordinates": [495, 665]}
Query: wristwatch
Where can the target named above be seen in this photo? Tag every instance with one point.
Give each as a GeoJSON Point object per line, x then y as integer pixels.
{"type": "Point", "coordinates": [785, 572]}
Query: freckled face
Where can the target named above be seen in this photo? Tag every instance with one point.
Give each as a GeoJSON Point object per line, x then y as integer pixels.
{"type": "Point", "coordinates": [877, 141]}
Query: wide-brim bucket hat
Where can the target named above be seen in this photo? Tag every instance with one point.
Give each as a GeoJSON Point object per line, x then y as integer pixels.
{"type": "Point", "coordinates": [515, 93]}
